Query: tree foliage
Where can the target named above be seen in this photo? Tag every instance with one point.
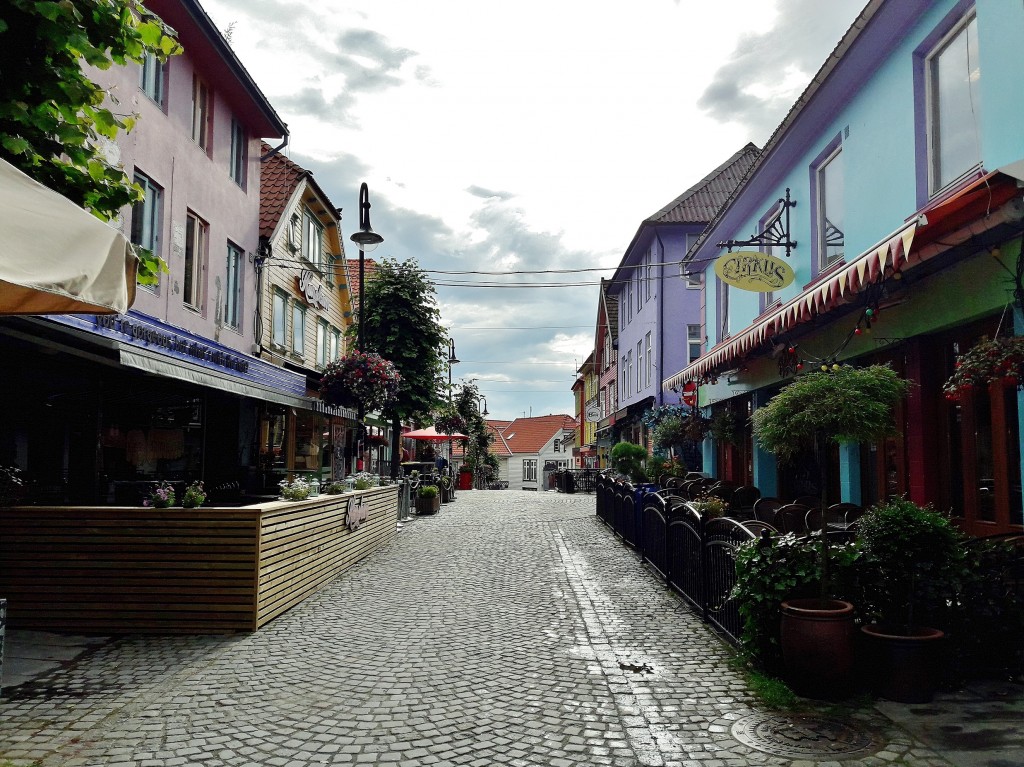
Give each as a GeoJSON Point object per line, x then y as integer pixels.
{"type": "Point", "coordinates": [402, 323]}
{"type": "Point", "coordinates": [53, 118]}
{"type": "Point", "coordinates": [845, 405]}
{"type": "Point", "coordinates": [466, 403]}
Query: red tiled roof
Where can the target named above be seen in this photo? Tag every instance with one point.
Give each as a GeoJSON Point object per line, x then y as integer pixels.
{"type": "Point", "coordinates": [498, 447]}
{"type": "Point", "coordinates": [529, 435]}
{"type": "Point", "coordinates": [369, 270]}
{"type": "Point", "coordinates": [279, 177]}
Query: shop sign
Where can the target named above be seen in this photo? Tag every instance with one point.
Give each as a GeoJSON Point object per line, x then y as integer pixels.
{"type": "Point", "coordinates": [312, 290]}
{"type": "Point", "coordinates": [357, 513]}
{"type": "Point", "coordinates": [593, 413]}
{"type": "Point", "coordinates": [754, 271]}
{"type": "Point", "coordinates": [153, 337]}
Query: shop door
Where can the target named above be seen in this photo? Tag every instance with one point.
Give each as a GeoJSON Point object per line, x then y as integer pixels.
{"type": "Point", "coordinates": [981, 435]}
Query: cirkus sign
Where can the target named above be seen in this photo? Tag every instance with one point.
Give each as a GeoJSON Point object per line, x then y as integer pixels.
{"type": "Point", "coordinates": [755, 271]}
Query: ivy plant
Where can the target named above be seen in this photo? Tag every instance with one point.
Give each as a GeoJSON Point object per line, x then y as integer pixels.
{"type": "Point", "coordinates": [55, 120]}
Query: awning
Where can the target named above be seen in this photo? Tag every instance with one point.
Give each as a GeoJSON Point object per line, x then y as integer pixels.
{"type": "Point", "coordinates": [158, 364]}
{"type": "Point", "coordinates": [823, 296]}
{"type": "Point", "coordinates": [57, 258]}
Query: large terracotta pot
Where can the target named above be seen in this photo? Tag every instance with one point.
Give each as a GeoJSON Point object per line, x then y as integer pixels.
{"type": "Point", "coordinates": [905, 667]}
{"type": "Point", "coordinates": [818, 646]}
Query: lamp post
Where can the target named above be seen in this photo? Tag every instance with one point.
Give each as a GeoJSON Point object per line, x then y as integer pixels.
{"type": "Point", "coordinates": [481, 399]}
{"type": "Point", "coordinates": [452, 360]}
{"type": "Point", "coordinates": [367, 240]}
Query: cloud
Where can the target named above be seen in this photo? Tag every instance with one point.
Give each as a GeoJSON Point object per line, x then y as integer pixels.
{"type": "Point", "coordinates": [368, 62]}
{"type": "Point", "coordinates": [479, 191]}
{"type": "Point", "coordinates": [768, 70]}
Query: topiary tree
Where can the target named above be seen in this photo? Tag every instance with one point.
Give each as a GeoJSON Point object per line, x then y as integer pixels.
{"type": "Point", "coordinates": [839, 404]}
{"type": "Point", "coordinates": [53, 122]}
{"type": "Point", "coordinates": [628, 458]}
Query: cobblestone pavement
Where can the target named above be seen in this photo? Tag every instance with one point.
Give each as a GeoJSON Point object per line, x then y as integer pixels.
{"type": "Point", "coordinates": [511, 629]}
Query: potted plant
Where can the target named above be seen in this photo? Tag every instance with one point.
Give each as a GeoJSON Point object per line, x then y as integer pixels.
{"type": "Point", "coordinates": [360, 378]}
{"type": "Point", "coordinates": [710, 506]}
{"type": "Point", "coordinates": [296, 490]}
{"type": "Point", "coordinates": [911, 557]}
{"type": "Point", "coordinates": [628, 458]}
{"type": "Point", "coordinates": [838, 404]}
{"type": "Point", "coordinates": [162, 496]}
{"type": "Point", "coordinates": [998, 359]}
{"type": "Point", "coordinates": [428, 501]}
{"type": "Point", "coordinates": [194, 496]}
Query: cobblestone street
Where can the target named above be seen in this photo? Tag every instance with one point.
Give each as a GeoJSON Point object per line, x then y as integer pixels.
{"type": "Point", "coordinates": [511, 629]}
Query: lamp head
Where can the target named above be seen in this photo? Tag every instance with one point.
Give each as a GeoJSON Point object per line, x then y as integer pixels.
{"type": "Point", "coordinates": [365, 238]}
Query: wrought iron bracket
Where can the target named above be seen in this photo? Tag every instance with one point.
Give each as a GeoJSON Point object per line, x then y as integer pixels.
{"type": "Point", "coordinates": [775, 232]}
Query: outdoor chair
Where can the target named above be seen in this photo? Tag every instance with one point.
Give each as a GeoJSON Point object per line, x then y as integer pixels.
{"type": "Point", "coordinates": [744, 498]}
{"type": "Point", "coordinates": [791, 518]}
{"type": "Point", "coordinates": [810, 501]}
{"type": "Point", "coordinates": [765, 509]}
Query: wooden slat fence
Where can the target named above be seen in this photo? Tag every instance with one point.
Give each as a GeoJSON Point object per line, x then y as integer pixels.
{"type": "Point", "coordinates": [172, 571]}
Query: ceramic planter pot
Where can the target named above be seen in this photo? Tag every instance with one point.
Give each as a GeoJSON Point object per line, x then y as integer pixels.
{"type": "Point", "coordinates": [907, 667]}
{"type": "Point", "coordinates": [818, 646]}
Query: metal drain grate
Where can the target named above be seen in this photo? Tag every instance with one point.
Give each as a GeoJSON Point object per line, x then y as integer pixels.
{"type": "Point", "coordinates": [804, 736]}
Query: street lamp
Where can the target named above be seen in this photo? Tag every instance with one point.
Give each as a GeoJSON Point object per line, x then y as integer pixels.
{"type": "Point", "coordinates": [483, 410]}
{"type": "Point", "coordinates": [367, 240]}
{"type": "Point", "coordinates": [452, 359]}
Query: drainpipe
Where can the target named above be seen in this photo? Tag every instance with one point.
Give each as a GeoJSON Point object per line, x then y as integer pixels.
{"type": "Point", "coordinates": [275, 150]}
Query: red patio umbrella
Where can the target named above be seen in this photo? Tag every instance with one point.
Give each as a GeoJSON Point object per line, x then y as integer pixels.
{"type": "Point", "coordinates": [430, 434]}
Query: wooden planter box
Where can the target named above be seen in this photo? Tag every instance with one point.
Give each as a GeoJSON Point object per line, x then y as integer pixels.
{"type": "Point", "coordinates": [428, 505]}
{"type": "Point", "coordinates": [175, 571]}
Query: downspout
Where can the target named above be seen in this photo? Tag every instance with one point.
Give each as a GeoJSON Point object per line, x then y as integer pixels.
{"type": "Point", "coordinates": [276, 149]}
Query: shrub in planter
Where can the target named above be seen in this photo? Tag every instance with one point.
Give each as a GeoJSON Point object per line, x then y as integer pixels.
{"type": "Point", "coordinates": [628, 458]}
{"type": "Point", "coordinates": [194, 496]}
{"type": "Point", "coordinates": [296, 490]}
{"type": "Point", "coordinates": [910, 576]}
{"type": "Point", "coordinates": [428, 499]}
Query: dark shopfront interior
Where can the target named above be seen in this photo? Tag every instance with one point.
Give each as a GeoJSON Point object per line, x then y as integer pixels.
{"type": "Point", "coordinates": [87, 431]}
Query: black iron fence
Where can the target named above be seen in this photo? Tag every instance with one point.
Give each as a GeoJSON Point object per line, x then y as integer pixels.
{"type": "Point", "coordinates": [575, 480]}
{"type": "Point", "coordinates": [694, 554]}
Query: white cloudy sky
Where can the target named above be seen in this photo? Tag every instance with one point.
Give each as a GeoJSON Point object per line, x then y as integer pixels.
{"type": "Point", "coordinates": [528, 136]}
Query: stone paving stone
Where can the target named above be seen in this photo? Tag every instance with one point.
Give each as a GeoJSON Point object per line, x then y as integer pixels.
{"type": "Point", "coordinates": [492, 633]}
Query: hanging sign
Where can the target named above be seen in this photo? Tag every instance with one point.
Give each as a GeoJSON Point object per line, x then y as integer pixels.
{"type": "Point", "coordinates": [593, 413]}
{"type": "Point", "coordinates": [754, 271]}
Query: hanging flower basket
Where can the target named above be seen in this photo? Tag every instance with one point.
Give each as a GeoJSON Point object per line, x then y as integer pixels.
{"type": "Point", "coordinates": [1000, 359]}
{"type": "Point", "coordinates": [360, 378]}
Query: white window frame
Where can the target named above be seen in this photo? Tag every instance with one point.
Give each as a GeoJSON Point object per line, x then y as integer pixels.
{"type": "Point", "coordinates": [196, 240]}
{"type": "Point", "coordinates": [312, 238]}
{"type": "Point", "coordinates": [937, 181]}
{"type": "Point", "coordinates": [145, 230]}
{"type": "Point", "coordinates": [298, 328]}
{"type": "Point", "coordinates": [321, 343]}
{"type": "Point", "coordinates": [650, 361]}
{"type": "Point", "coordinates": [233, 286]}
{"type": "Point", "coordinates": [279, 319]}
{"type": "Point", "coordinates": [529, 470]}
{"type": "Point", "coordinates": [335, 350]}
{"type": "Point", "coordinates": [823, 205]}
{"type": "Point", "coordinates": [639, 366]}
{"type": "Point", "coordinates": [693, 339]}
{"type": "Point", "coordinates": [647, 276]}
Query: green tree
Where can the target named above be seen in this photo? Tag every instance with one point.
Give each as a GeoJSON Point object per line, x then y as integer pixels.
{"type": "Point", "coordinates": [53, 121]}
{"type": "Point", "coordinates": [403, 325]}
{"type": "Point", "coordinates": [466, 402]}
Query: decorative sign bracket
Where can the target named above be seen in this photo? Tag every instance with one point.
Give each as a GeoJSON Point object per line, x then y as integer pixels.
{"type": "Point", "coordinates": [775, 232]}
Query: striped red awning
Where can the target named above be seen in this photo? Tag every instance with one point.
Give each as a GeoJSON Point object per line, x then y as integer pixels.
{"type": "Point", "coordinates": [818, 298]}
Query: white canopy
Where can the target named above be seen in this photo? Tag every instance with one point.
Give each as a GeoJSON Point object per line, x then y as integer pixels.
{"type": "Point", "coordinates": [56, 258]}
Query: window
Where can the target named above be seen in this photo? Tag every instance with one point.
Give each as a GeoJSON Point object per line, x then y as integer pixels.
{"type": "Point", "coordinates": [280, 319]}
{"type": "Point", "coordinates": [195, 253]}
{"type": "Point", "coordinates": [233, 288]}
{"type": "Point", "coordinates": [693, 279]}
{"type": "Point", "coordinates": [335, 345]}
{"type": "Point", "coordinates": [639, 366]}
{"type": "Point", "coordinates": [239, 153]}
{"type": "Point", "coordinates": [629, 298]}
{"type": "Point", "coordinates": [829, 178]}
{"type": "Point", "coordinates": [723, 310]}
{"type": "Point", "coordinates": [607, 350]}
{"type": "Point", "coordinates": [647, 277]}
{"type": "Point", "coordinates": [530, 470]}
{"type": "Point", "coordinates": [650, 361]}
{"type": "Point", "coordinates": [693, 341]}
{"type": "Point", "coordinates": [146, 216]}
{"type": "Point", "coordinates": [952, 80]}
{"type": "Point", "coordinates": [313, 239]}
{"type": "Point", "coordinates": [638, 275]}
{"type": "Point", "coordinates": [629, 369]}
{"type": "Point", "coordinates": [624, 386]}
{"type": "Point", "coordinates": [298, 328]}
{"type": "Point", "coordinates": [151, 78]}
{"type": "Point", "coordinates": [321, 343]}
{"type": "Point", "coordinates": [200, 113]}
{"type": "Point", "coordinates": [557, 445]}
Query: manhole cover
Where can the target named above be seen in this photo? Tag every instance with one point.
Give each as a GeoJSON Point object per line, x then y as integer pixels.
{"type": "Point", "coordinates": [801, 736]}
